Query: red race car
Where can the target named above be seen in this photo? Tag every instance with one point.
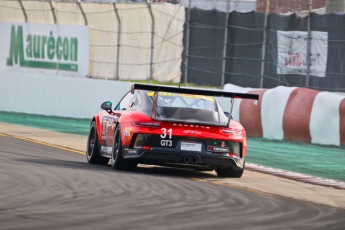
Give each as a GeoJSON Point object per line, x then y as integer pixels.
{"type": "Point", "coordinates": [169, 126]}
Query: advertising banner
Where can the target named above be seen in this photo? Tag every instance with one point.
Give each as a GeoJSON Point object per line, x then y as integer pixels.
{"type": "Point", "coordinates": [292, 52]}
{"type": "Point", "coordinates": [44, 48]}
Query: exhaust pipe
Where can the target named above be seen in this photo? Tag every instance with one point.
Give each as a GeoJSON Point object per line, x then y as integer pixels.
{"type": "Point", "coordinates": [186, 159]}
{"type": "Point", "coordinates": [194, 160]}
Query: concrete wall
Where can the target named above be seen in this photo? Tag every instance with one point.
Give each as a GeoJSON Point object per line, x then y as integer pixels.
{"type": "Point", "coordinates": [57, 96]}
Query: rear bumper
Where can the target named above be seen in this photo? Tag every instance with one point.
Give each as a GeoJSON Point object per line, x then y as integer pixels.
{"type": "Point", "coordinates": [161, 156]}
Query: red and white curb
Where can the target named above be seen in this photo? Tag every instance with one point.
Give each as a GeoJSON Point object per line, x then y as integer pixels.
{"type": "Point", "coordinates": [296, 176]}
{"type": "Point", "coordinates": [290, 113]}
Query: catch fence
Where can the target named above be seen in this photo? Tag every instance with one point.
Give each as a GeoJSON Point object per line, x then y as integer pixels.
{"type": "Point", "coordinates": [268, 46]}
{"type": "Point", "coordinates": [128, 40]}
{"type": "Point", "coordinates": [259, 44]}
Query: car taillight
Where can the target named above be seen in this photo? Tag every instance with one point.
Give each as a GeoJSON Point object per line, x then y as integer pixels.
{"type": "Point", "coordinates": [233, 155]}
{"type": "Point", "coordinates": [146, 124]}
{"type": "Point", "coordinates": [232, 131]}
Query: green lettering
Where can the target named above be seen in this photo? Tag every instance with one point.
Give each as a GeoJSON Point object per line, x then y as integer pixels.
{"type": "Point", "coordinates": [58, 48]}
{"type": "Point", "coordinates": [74, 49]}
{"type": "Point", "coordinates": [29, 46]}
{"type": "Point", "coordinates": [65, 49]}
{"type": "Point", "coordinates": [43, 45]}
{"type": "Point", "coordinates": [16, 47]}
{"type": "Point", "coordinates": [37, 46]}
{"type": "Point", "coordinates": [51, 46]}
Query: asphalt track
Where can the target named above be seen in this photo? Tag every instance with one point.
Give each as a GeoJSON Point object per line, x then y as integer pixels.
{"type": "Point", "coordinates": [310, 159]}
{"type": "Point", "coordinates": [44, 187]}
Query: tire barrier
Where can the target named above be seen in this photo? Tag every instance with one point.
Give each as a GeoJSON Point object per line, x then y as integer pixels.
{"type": "Point", "coordinates": [294, 114]}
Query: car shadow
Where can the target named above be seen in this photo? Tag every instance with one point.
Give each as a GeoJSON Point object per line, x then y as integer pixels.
{"type": "Point", "coordinates": [141, 169]}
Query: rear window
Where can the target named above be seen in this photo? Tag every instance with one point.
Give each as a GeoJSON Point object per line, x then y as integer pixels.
{"type": "Point", "coordinates": [185, 101]}
{"type": "Point", "coordinates": [187, 108]}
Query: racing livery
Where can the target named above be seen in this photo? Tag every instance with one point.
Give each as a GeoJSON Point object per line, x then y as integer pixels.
{"type": "Point", "coordinates": [169, 126]}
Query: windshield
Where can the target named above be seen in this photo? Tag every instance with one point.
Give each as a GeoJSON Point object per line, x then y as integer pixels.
{"type": "Point", "coordinates": [187, 108]}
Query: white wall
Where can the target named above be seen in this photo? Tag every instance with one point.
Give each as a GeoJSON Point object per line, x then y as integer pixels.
{"type": "Point", "coordinates": [61, 96]}
{"type": "Point", "coordinates": [57, 96]}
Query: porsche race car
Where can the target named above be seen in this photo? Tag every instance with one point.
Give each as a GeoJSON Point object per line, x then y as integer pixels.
{"type": "Point", "coordinates": [169, 126]}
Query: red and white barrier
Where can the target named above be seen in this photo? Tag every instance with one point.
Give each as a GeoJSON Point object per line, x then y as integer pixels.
{"type": "Point", "coordinates": [290, 113]}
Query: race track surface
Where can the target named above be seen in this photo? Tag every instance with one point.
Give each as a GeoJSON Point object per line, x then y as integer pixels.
{"type": "Point", "coordinates": [44, 187]}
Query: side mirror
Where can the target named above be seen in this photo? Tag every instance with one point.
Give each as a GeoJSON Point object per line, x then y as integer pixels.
{"type": "Point", "coordinates": [106, 106]}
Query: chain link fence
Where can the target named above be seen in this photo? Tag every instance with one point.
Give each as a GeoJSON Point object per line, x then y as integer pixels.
{"type": "Point", "coordinates": [128, 40]}
{"type": "Point", "coordinates": [244, 48]}
{"type": "Point", "coordinates": [250, 43]}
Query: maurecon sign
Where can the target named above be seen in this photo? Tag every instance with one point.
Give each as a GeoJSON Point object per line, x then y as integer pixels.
{"type": "Point", "coordinates": [44, 48]}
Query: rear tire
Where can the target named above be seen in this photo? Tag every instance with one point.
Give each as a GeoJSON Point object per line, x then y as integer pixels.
{"type": "Point", "coordinates": [92, 148]}
{"type": "Point", "coordinates": [117, 161]}
{"type": "Point", "coordinates": [230, 172]}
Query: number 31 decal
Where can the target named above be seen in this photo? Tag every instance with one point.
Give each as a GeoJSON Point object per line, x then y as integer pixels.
{"type": "Point", "coordinates": [165, 131]}
{"type": "Point", "coordinates": [167, 143]}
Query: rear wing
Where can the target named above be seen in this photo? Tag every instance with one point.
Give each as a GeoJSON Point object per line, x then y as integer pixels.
{"type": "Point", "coordinates": [204, 92]}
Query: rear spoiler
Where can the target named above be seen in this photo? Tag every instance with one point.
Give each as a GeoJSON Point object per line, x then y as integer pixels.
{"type": "Point", "coordinates": [204, 92]}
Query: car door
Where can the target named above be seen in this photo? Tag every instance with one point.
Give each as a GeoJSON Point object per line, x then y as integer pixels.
{"type": "Point", "coordinates": [111, 120]}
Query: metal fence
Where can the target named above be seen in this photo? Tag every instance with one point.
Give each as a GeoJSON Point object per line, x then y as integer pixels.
{"type": "Point", "coordinates": [206, 42]}
{"type": "Point", "coordinates": [242, 48]}
{"type": "Point", "coordinates": [128, 40]}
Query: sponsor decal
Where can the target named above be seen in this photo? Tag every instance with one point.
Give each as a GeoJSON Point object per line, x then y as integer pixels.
{"type": "Point", "coordinates": [191, 132]}
{"type": "Point", "coordinates": [218, 149]}
{"type": "Point", "coordinates": [223, 144]}
{"type": "Point", "coordinates": [41, 46]}
{"type": "Point", "coordinates": [127, 132]}
{"type": "Point", "coordinates": [221, 149]}
{"type": "Point", "coordinates": [167, 143]}
{"type": "Point", "coordinates": [192, 126]}
{"type": "Point", "coordinates": [292, 52]}
{"type": "Point", "coordinates": [45, 47]}
{"type": "Point", "coordinates": [131, 151]}
{"type": "Point", "coordinates": [166, 133]}
{"type": "Point", "coordinates": [108, 150]}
